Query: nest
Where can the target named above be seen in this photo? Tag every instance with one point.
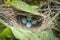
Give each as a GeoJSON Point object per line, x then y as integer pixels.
{"type": "Point", "coordinates": [20, 14]}
{"type": "Point", "coordinates": [15, 16]}
{"type": "Point", "coordinates": [33, 28]}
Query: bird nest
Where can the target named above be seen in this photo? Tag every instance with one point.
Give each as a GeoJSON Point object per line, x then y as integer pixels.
{"type": "Point", "coordinates": [13, 17]}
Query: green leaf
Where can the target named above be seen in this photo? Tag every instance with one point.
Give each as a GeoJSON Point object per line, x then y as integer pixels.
{"type": "Point", "coordinates": [20, 33]}
{"type": "Point", "coordinates": [20, 5]}
{"type": "Point", "coordinates": [6, 33]}
{"type": "Point", "coordinates": [2, 27]}
{"type": "Point", "coordinates": [47, 35]}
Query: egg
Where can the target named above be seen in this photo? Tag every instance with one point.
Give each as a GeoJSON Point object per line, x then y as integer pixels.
{"type": "Point", "coordinates": [33, 21]}
{"type": "Point", "coordinates": [29, 18]}
{"type": "Point", "coordinates": [28, 24]}
{"type": "Point", "coordinates": [24, 20]}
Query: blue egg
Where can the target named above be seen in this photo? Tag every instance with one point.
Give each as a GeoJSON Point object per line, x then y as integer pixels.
{"type": "Point", "coordinates": [24, 20]}
{"type": "Point", "coordinates": [28, 25]}
{"type": "Point", "coordinates": [29, 18]}
{"type": "Point", "coordinates": [33, 21]}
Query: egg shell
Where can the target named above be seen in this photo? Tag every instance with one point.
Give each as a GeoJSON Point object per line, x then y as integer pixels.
{"type": "Point", "coordinates": [33, 21]}
{"type": "Point", "coordinates": [24, 20]}
{"type": "Point", "coordinates": [28, 24]}
{"type": "Point", "coordinates": [29, 18]}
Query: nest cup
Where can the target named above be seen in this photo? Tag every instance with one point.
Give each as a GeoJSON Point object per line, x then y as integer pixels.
{"type": "Point", "coordinates": [34, 27]}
